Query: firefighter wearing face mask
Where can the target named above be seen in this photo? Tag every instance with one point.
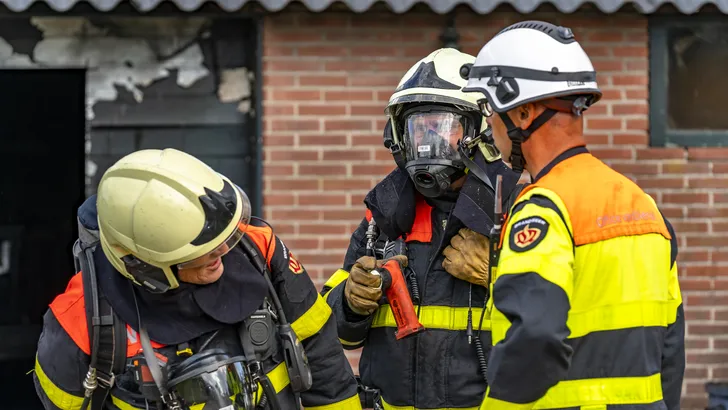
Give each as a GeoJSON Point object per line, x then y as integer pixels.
{"type": "Point", "coordinates": [437, 136]}
{"type": "Point", "coordinates": [184, 302]}
{"type": "Point", "coordinates": [586, 309]}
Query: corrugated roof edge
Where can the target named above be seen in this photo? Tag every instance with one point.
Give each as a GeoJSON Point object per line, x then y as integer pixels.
{"type": "Point", "coordinates": [396, 6]}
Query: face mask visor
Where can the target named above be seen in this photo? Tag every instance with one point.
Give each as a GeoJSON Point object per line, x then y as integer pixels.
{"type": "Point", "coordinates": [434, 135]}
{"type": "Point", "coordinates": [214, 380]}
{"type": "Point", "coordinates": [232, 240]}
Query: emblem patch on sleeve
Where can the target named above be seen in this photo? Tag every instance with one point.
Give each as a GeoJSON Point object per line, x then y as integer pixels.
{"type": "Point", "coordinates": [528, 233]}
{"type": "Point", "coordinates": [294, 265]}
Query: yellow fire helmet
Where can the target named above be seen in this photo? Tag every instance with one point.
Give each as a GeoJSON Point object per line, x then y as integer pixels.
{"type": "Point", "coordinates": [164, 210]}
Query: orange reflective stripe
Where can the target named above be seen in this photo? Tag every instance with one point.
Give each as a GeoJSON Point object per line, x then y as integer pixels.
{"type": "Point", "coordinates": [263, 238]}
{"type": "Point", "coordinates": [69, 309]}
{"type": "Point", "coordinates": [369, 215]}
{"type": "Point", "coordinates": [422, 227]}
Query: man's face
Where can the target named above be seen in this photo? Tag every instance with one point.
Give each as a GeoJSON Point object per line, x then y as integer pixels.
{"type": "Point", "coordinates": [206, 269]}
{"type": "Point", "coordinates": [500, 135]}
{"type": "Point", "coordinates": [433, 135]}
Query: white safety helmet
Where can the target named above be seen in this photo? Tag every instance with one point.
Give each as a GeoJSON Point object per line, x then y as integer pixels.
{"type": "Point", "coordinates": [532, 61]}
{"type": "Point", "coordinates": [430, 116]}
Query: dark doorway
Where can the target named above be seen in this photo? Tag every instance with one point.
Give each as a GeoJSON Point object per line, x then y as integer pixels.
{"type": "Point", "coordinates": [42, 161]}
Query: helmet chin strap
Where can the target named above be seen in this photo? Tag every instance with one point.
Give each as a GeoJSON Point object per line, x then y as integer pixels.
{"type": "Point", "coordinates": [518, 136]}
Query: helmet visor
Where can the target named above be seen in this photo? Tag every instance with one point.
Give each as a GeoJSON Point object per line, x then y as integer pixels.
{"type": "Point", "coordinates": [230, 242]}
{"type": "Point", "coordinates": [433, 135]}
{"type": "Point", "coordinates": [224, 388]}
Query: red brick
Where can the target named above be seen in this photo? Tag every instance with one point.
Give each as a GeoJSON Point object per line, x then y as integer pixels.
{"type": "Point", "coordinates": [603, 124]}
{"type": "Point", "coordinates": [296, 245]}
{"type": "Point", "coordinates": [637, 124]}
{"type": "Point", "coordinates": [708, 329]}
{"type": "Point", "coordinates": [295, 125]}
{"type": "Point", "coordinates": [322, 80]}
{"type": "Point", "coordinates": [704, 271]}
{"type": "Point", "coordinates": [690, 255]}
{"type": "Point", "coordinates": [596, 139]}
{"type": "Point", "coordinates": [686, 168]}
{"type": "Point", "coordinates": [295, 95]}
{"type": "Point", "coordinates": [332, 243]}
{"type": "Point", "coordinates": [704, 300]}
{"type": "Point", "coordinates": [375, 80]}
{"type": "Point", "coordinates": [324, 229]}
{"type": "Point", "coordinates": [686, 198]}
{"type": "Point", "coordinates": [347, 184]}
{"type": "Point", "coordinates": [292, 65]}
{"type": "Point", "coordinates": [720, 226]}
{"type": "Point", "coordinates": [721, 315]}
{"type": "Point", "coordinates": [278, 199]}
{"type": "Point", "coordinates": [712, 212]}
{"type": "Point", "coordinates": [294, 215]}
{"type": "Point", "coordinates": [277, 170]}
{"type": "Point", "coordinates": [660, 153]}
{"type": "Point", "coordinates": [349, 96]}
{"type": "Point", "coordinates": [294, 184]}
{"type": "Point", "coordinates": [660, 182]}
{"type": "Point", "coordinates": [322, 110]}
{"type": "Point", "coordinates": [629, 79]}
{"type": "Point", "coordinates": [278, 110]}
{"type": "Point", "coordinates": [291, 155]}
{"type": "Point", "coordinates": [278, 140]}
{"type": "Point", "coordinates": [322, 51]}
{"type": "Point", "coordinates": [638, 65]}
{"type": "Point", "coordinates": [630, 51]}
{"type": "Point", "coordinates": [720, 373]}
{"type": "Point", "coordinates": [368, 110]}
{"type": "Point", "coordinates": [610, 94]}
{"type": "Point", "coordinates": [714, 182]}
{"type": "Point", "coordinates": [636, 94]}
{"type": "Point", "coordinates": [631, 139]}
{"type": "Point", "coordinates": [609, 36]}
{"type": "Point", "coordinates": [608, 65]}
{"type": "Point", "coordinates": [720, 198]}
{"type": "Point", "coordinates": [273, 80]}
{"type": "Point", "coordinates": [689, 226]}
{"type": "Point", "coordinates": [693, 373]}
{"type": "Point", "coordinates": [352, 214]}
{"type": "Point", "coordinates": [382, 170]}
{"type": "Point", "coordinates": [671, 213]}
{"type": "Point", "coordinates": [278, 51]}
{"type": "Point", "coordinates": [708, 153]}
{"type": "Point", "coordinates": [321, 199]}
{"type": "Point", "coordinates": [358, 154]}
{"type": "Point", "coordinates": [692, 314]}
{"type": "Point", "coordinates": [347, 125]}
{"type": "Point", "coordinates": [612, 153]}
{"type": "Point", "coordinates": [321, 170]}
{"type": "Point", "coordinates": [696, 284]}
{"type": "Point", "coordinates": [322, 140]}
{"type": "Point", "coordinates": [707, 241]}
{"type": "Point", "coordinates": [719, 168]}
{"type": "Point", "coordinates": [694, 403]}
{"type": "Point", "coordinates": [637, 169]}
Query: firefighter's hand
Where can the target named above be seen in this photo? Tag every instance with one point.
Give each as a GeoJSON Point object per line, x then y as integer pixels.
{"type": "Point", "coordinates": [363, 290]}
{"type": "Point", "coordinates": [467, 257]}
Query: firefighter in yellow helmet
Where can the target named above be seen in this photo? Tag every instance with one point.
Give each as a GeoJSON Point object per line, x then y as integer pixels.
{"type": "Point", "coordinates": [586, 309]}
{"type": "Point", "coordinates": [437, 137]}
{"type": "Point", "coordinates": [188, 303]}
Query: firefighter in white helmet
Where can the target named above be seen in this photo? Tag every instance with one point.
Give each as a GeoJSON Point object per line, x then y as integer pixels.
{"type": "Point", "coordinates": [586, 308]}
{"type": "Point", "coordinates": [423, 211]}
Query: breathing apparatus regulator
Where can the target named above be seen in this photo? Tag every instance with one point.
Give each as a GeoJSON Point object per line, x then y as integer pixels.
{"type": "Point", "coordinates": [434, 128]}
{"type": "Point", "coordinates": [531, 62]}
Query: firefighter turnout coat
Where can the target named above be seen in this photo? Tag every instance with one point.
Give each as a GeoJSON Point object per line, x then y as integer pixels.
{"type": "Point", "coordinates": [586, 308]}
{"type": "Point", "coordinates": [63, 349]}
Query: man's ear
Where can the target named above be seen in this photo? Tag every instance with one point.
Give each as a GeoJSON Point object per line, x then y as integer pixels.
{"type": "Point", "coordinates": [526, 114]}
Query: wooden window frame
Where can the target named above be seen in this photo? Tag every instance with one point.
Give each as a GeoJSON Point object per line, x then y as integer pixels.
{"type": "Point", "coordinates": [660, 134]}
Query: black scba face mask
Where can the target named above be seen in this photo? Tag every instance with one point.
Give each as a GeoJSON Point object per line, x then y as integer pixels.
{"type": "Point", "coordinates": [431, 137]}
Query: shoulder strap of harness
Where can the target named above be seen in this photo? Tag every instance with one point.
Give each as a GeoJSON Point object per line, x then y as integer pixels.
{"type": "Point", "coordinates": [107, 334]}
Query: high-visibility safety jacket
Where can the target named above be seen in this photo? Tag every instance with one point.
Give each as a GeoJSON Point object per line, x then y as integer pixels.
{"type": "Point", "coordinates": [586, 309]}
{"type": "Point", "coordinates": [63, 349]}
{"type": "Point", "coordinates": [435, 369]}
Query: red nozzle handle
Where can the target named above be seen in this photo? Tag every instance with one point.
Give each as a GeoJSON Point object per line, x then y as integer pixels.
{"type": "Point", "coordinates": [399, 300]}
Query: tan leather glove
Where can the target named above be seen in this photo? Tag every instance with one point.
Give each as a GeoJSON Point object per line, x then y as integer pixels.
{"type": "Point", "coordinates": [467, 257]}
{"type": "Point", "coordinates": [362, 289]}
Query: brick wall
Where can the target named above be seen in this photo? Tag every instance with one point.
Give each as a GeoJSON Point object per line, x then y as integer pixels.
{"type": "Point", "coordinates": [327, 78]}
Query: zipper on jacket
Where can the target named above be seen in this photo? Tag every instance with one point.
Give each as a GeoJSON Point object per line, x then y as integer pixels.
{"type": "Point", "coordinates": [422, 300]}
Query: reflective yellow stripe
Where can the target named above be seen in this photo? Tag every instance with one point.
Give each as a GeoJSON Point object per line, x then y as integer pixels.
{"type": "Point", "coordinates": [388, 406]}
{"type": "Point", "coordinates": [347, 343]}
{"type": "Point", "coordinates": [61, 399]}
{"type": "Point", "coordinates": [591, 394]}
{"type": "Point", "coordinates": [434, 317]}
{"type": "Point", "coordinates": [352, 403]}
{"type": "Point", "coordinates": [335, 279]}
{"type": "Point", "coordinates": [278, 378]}
{"type": "Point", "coordinates": [621, 316]}
{"type": "Point", "coordinates": [122, 405]}
{"type": "Point", "coordinates": [313, 320]}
